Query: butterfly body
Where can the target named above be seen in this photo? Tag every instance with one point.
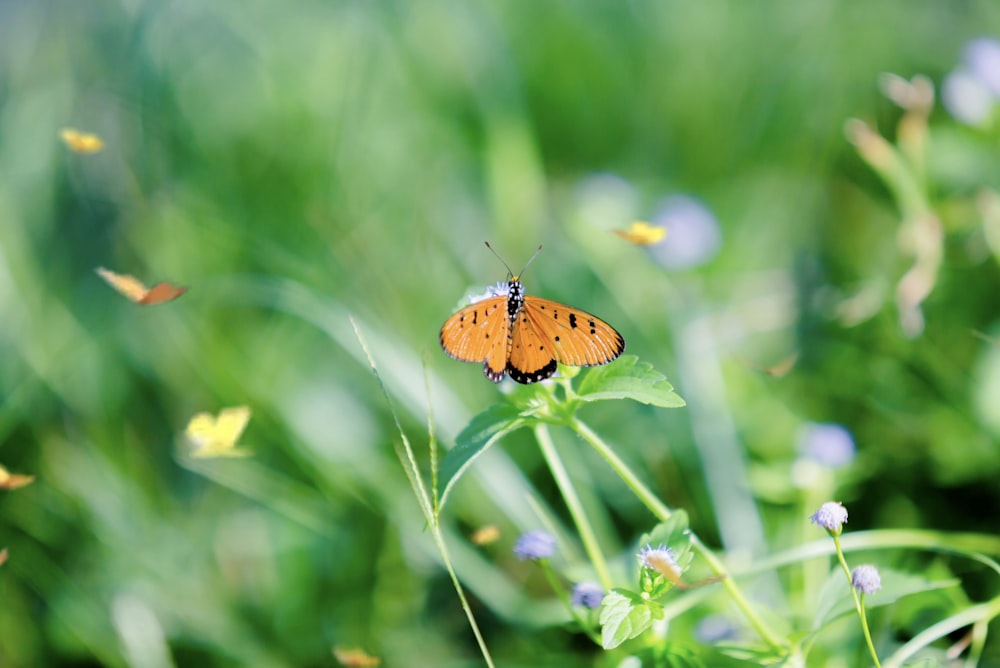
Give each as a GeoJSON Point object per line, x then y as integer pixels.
{"type": "Point", "coordinates": [527, 337]}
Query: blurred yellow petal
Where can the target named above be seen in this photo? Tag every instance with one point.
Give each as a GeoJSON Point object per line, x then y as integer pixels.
{"type": "Point", "coordinates": [81, 142]}
{"type": "Point", "coordinates": [485, 535]}
{"type": "Point", "coordinates": [217, 436]}
{"type": "Point", "coordinates": [14, 480]}
{"type": "Point", "coordinates": [642, 234]}
{"type": "Point", "coordinates": [355, 658]}
{"type": "Point", "coordinates": [3, 556]}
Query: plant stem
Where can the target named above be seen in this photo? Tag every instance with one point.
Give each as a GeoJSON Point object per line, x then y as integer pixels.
{"type": "Point", "coordinates": [560, 591]}
{"type": "Point", "coordinates": [428, 506]}
{"type": "Point", "coordinates": [858, 600]}
{"type": "Point", "coordinates": [443, 550]}
{"type": "Point", "coordinates": [583, 527]}
{"type": "Point", "coordinates": [663, 513]}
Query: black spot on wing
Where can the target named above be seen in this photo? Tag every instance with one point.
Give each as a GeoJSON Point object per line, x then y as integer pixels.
{"type": "Point", "coordinates": [529, 377]}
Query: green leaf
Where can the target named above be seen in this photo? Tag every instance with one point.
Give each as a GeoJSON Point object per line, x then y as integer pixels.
{"type": "Point", "coordinates": [627, 378]}
{"type": "Point", "coordinates": [836, 601]}
{"type": "Point", "coordinates": [680, 654]}
{"type": "Point", "coordinates": [626, 615]}
{"type": "Point", "coordinates": [481, 432]}
{"type": "Point", "coordinates": [674, 534]}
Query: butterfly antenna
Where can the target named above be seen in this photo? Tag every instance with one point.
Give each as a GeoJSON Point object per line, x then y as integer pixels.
{"type": "Point", "coordinates": [509, 272]}
{"type": "Point", "coordinates": [531, 259]}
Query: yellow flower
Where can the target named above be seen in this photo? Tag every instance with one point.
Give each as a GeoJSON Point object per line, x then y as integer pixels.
{"type": "Point", "coordinates": [642, 234]}
{"type": "Point", "coordinates": [81, 142]}
{"type": "Point", "coordinates": [217, 436]}
{"type": "Point", "coordinates": [14, 480]}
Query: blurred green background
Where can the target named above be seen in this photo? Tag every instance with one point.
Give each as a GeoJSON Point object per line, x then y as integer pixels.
{"type": "Point", "coordinates": [297, 163]}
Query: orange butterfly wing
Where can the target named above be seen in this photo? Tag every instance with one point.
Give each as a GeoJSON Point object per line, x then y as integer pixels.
{"type": "Point", "coordinates": [480, 333]}
{"type": "Point", "coordinates": [161, 292]}
{"type": "Point", "coordinates": [570, 336]}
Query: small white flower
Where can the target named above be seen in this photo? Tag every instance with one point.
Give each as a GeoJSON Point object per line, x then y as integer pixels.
{"type": "Point", "coordinates": [831, 516]}
{"type": "Point", "coordinates": [498, 290]}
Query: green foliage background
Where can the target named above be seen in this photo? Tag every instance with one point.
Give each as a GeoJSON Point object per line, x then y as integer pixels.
{"type": "Point", "coordinates": [294, 163]}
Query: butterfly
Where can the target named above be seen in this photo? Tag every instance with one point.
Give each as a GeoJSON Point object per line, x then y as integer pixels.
{"type": "Point", "coordinates": [134, 289]}
{"type": "Point", "coordinates": [526, 337]}
{"type": "Point", "coordinates": [216, 437]}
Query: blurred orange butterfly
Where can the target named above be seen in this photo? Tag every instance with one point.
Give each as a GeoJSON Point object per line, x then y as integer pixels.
{"type": "Point", "coordinates": [134, 289]}
{"type": "Point", "coordinates": [527, 337]}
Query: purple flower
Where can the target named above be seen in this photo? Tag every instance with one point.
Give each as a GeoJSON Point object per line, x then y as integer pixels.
{"type": "Point", "coordinates": [831, 516]}
{"type": "Point", "coordinates": [588, 594]}
{"type": "Point", "coordinates": [661, 559]}
{"type": "Point", "coordinates": [693, 234]}
{"type": "Point", "coordinates": [827, 443]}
{"type": "Point", "coordinates": [714, 628]}
{"type": "Point", "coordinates": [967, 98]}
{"type": "Point", "coordinates": [971, 92]}
{"type": "Point", "coordinates": [866, 579]}
{"type": "Point", "coordinates": [982, 57]}
{"type": "Point", "coordinates": [535, 545]}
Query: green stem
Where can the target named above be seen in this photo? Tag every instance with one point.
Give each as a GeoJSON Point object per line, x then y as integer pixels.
{"type": "Point", "coordinates": [663, 513]}
{"type": "Point", "coordinates": [443, 550]}
{"type": "Point", "coordinates": [565, 597]}
{"type": "Point", "coordinates": [858, 600]}
{"type": "Point", "coordinates": [428, 506]}
{"type": "Point", "coordinates": [647, 497]}
{"type": "Point", "coordinates": [583, 526]}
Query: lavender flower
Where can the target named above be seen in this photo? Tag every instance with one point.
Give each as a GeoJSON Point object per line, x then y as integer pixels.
{"type": "Point", "coordinates": [982, 57]}
{"type": "Point", "coordinates": [535, 545]}
{"type": "Point", "coordinates": [588, 594]}
{"type": "Point", "coordinates": [661, 559]}
{"type": "Point", "coordinates": [866, 579]}
{"type": "Point", "coordinates": [971, 92]}
{"type": "Point", "coordinates": [967, 98]}
{"type": "Point", "coordinates": [829, 444]}
{"type": "Point", "coordinates": [693, 235]}
{"type": "Point", "coordinates": [831, 516]}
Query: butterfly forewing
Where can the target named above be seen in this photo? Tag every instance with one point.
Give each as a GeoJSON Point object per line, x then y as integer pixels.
{"type": "Point", "coordinates": [478, 333]}
{"type": "Point", "coordinates": [577, 338]}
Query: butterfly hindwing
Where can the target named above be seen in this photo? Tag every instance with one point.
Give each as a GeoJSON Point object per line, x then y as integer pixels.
{"type": "Point", "coordinates": [576, 337]}
{"type": "Point", "coordinates": [531, 356]}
